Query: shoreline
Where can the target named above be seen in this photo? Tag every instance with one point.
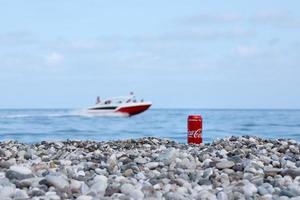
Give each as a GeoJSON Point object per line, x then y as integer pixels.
{"type": "Point", "coordinates": [244, 167]}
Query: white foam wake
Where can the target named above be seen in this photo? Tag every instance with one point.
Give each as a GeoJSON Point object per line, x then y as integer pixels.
{"type": "Point", "coordinates": [17, 116]}
{"type": "Point", "coordinates": [91, 113]}
{"type": "Point", "coordinates": [69, 113]}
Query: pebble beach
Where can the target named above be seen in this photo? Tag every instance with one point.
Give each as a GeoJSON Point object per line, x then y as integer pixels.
{"type": "Point", "coordinates": [244, 167]}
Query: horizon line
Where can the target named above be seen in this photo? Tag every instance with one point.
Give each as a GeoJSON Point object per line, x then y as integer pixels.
{"type": "Point", "coordinates": [156, 108]}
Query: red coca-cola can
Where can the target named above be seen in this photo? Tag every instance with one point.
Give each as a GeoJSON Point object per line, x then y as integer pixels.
{"type": "Point", "coordinates": [194, 129]}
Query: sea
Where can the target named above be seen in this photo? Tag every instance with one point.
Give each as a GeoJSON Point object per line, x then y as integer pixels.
{"type": "Point", "coordinates": [36, 125]}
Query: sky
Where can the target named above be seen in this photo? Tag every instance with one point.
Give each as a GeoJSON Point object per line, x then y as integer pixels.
{"type": "Point", "coordinates": [177, 54]}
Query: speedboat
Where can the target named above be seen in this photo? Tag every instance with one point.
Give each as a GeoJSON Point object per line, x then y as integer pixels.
{"type": "Point", "coordinates": [126, 106]}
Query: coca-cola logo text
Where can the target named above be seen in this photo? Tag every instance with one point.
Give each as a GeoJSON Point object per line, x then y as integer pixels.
{"type": "Point", "coordinates": [195, 134]}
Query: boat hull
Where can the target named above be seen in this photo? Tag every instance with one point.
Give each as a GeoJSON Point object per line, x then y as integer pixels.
{"type": "Point", "coordinates": [128, 109]}
{"type": "Point", "coordinates": [133, 109]}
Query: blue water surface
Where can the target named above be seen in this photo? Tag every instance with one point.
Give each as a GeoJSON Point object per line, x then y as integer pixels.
{"type": "Point", "coordinates": [34, 125]}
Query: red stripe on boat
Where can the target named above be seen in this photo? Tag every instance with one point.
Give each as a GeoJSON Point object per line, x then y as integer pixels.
{"type": "Point", "coordinates": [133, 110]}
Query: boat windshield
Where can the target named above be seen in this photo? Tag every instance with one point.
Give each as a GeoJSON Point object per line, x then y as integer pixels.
{"type": "Point", "coordinates": [119, 100]}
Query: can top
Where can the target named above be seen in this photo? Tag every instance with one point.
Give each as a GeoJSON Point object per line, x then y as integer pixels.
{"type": "Point", "coordinates": [195, 117]}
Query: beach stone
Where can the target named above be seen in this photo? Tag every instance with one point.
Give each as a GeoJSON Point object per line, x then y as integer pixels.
{"type": "Point", "coordinates": [99, 186]}
{"type": "Point", "coordinates": [250, 170]}
{"type": "Point", "coordinates": [257, 180]}
{"type": "Point", "coordinates": [287, 193]}
{"type": "Point", "coordinates": [21, 154]}
{"type": "Point", "coordinates": [206, 163]}
{"type": "Point", "coordinates": [291, 172]}
{"type": "Point", "coordinates": [21, 169]}
{"type": "Point", "coordinates": [238, 167]}
{"type": "Point", "coordinates": [222, 196]}
{"type": "Point", "coordinates": [112, 161]}
{"type": "Point", "coordinates": [204, 181]}
{"type": "Point", "coordinates": [283, 198]}
{"type": "Point", "coordinates": [84, 189]}
{"type": "Point", "coordinates": [205, 194]}
{"type": "Point", "coordinates": [28, 155]}
{"type": "Point", "coordinates": [236, 159]}
{"type": "Point", "coordinates": [131, 191]}
{"type": "Point", "coordinates": [269, 187]}
{"type": "Point", "coordinates": [4, 181]}
{"type": "Point", "coordinates": [57, 181]}
{"type": "Point", "coordinates": [136, 194]}
{"type": "Point", "coordinates": [152, 165]}
{"type": "Point", "coordinates": [20, 195]}
{"type": "Point", "coordinates": [265, 159]}
{"type": "Point", "coordinates": [238, 195]}
{"type": "Point", "coordinates": [84, 197]}
{"type": "Point", "coordinates": [228, 171]}
{"type": "Point", "coordinates": [112, 189]}
{"type": "Point", "coordinates": [222, 153]}
{"type": "Point", "coordinates": [282, 162]}
{"type": "Point", "coordinates": [224, 179]}
{"type": "Point", "coordinates": [119, 196]}
{"type": "Point", "coordinates": [80, 173]}
{"type": "Point", "coordinates": [187, 164]}
{"type": "Point", "coordinates": [294, 189]}
{"type": "Point", "coordinates": [65, 162]}
{"type": "Point", "coordinates": [266, 197]}
{"type": "Point", "coordinates": [2, 153]}
{"type": "Point", "coordinates": [290, 164]}
{"type": "Point", "coordinates": [52, 196]}
{"type": "Point", "coordinates": [270, 171]}
{"type": "Point", "coordinates": [128, 172]}
{"type": "Point", "coordinates": [294, 149]}
{"type": "Point", "coordinates": [174, 196]}
{"type": "Point", "coordinates": [224, 164]}
{"type": "Point", "coordinates": [75, 185]}
{"type": "Point", "coordinates": [26, 183]}
{"type": "Point", "coordinates": [6, 164]}
{"type": "Point", "coordinates": [7, 192]}
{"type": "Point", "coordinates": [147, 146]}
{"type": "Point", "coordinates": [101, 171]}
{"type": "Point", "coordinates": [7, 154]}
{"type": "Point", "coordinates": [140, 160]}
{"type": "Point", "coordinates": [275, 157]}
{"type": "Point", "coordinates": [18, 173]}
{"type": "Point", "coordinates": [297, 164]}
{"type": "Point", "coordinates": [262, 190]}
{"type": "Point", "coordinates": [276, 164]}
{"type": "Point", "coordinates": [249, 189]}
{"type": "Point", "coordinates": [35, 192]}
{"type": "Point", "coordinates": [168, 156]}
{"type": "Point", "coordinates": [295, 198]}
{"type": "Point", "coordinates": [140, 176]}
{"type": "Point", "coordinates": [207, 173]}
{"type": "Point", "coordinates": [157, 187]}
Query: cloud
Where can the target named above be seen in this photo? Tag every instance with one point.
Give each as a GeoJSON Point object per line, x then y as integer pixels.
{"type": "Point", "coordinates": [274, 41]}
{"type": "Point", "coordinates": [192, 35]}
{"type": "Point", "coordinates": [54, 58]}
{"type": "Point", "coordinates": [84, 44]}
{"type": "Point", "coordinates": [17, 38]}
{"type": "Point", "coordinates": [276, 18]}
{"type": "Point", "coordinates": [271, 16]}
{"type": "Point", "coordinates": [246, 51]}
{"type": "Point", "coordinates": [230, 33]}
{"type": "Point", "coordinates": [212, 18]}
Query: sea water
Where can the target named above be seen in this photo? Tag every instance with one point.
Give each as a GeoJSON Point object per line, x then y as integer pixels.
{"type": "Point", "coordinates": [35, 125]}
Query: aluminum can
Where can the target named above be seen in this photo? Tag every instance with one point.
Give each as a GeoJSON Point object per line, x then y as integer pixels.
{"type": "Point", "coordinates": [194, 126]}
